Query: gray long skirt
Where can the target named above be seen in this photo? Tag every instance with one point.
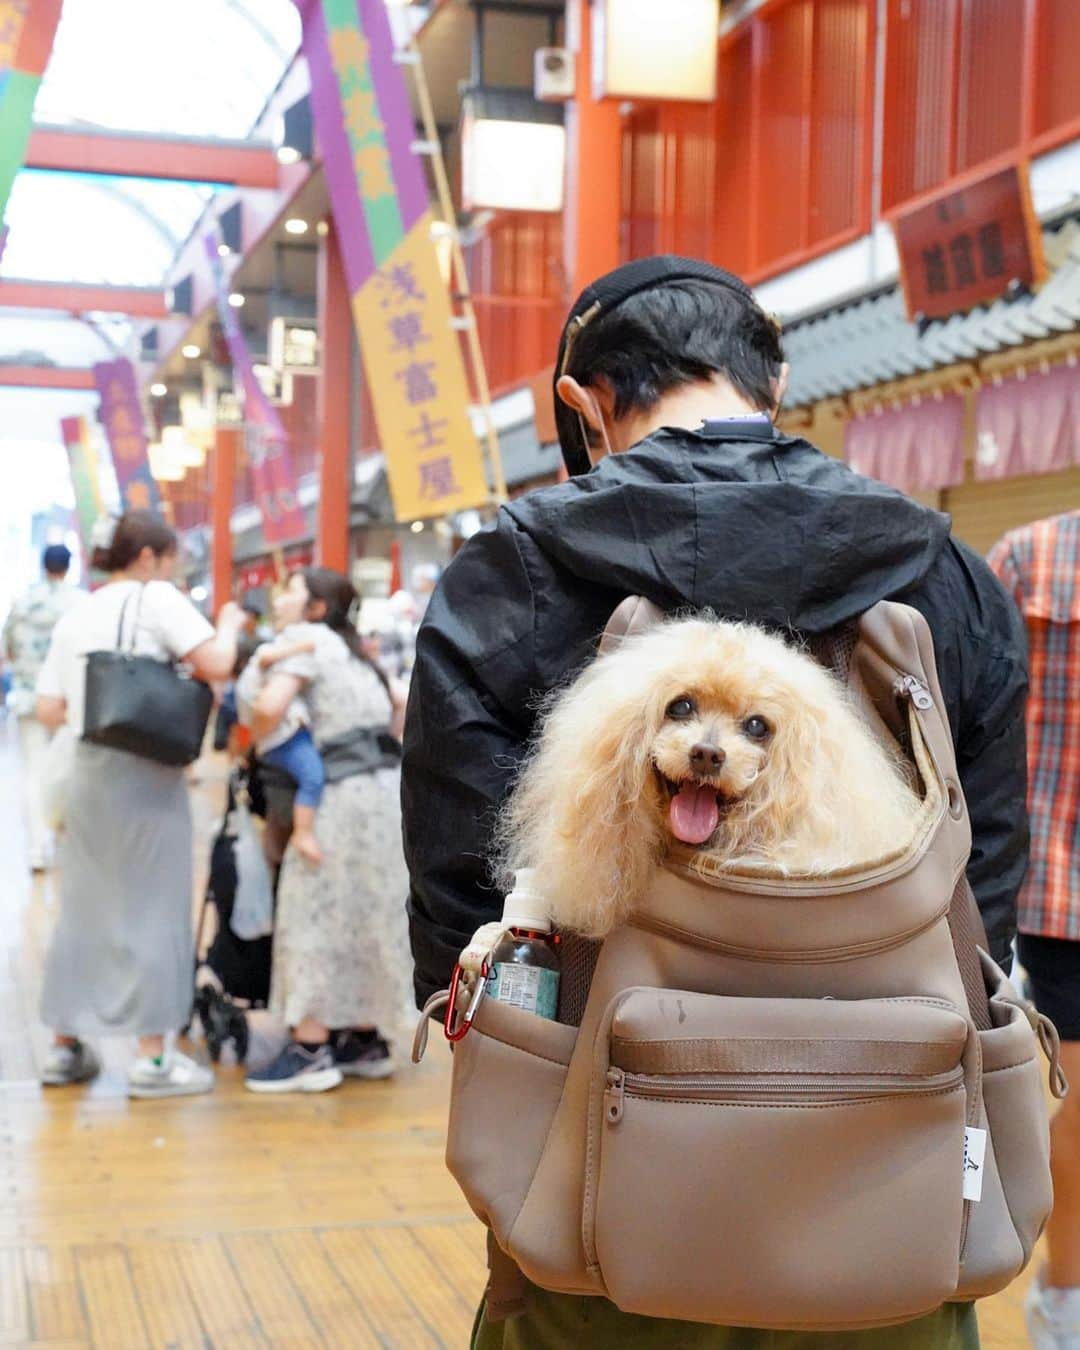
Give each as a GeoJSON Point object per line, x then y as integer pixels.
{"type": "Point", "coordinates": [121, 958]}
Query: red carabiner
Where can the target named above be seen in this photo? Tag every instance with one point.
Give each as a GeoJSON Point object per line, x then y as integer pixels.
{"type": "Point", "coordinates": [458, 1033]}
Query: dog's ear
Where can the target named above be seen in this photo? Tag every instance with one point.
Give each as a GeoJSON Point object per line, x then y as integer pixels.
{"type": "Point", "coordinates": [824, 763]}
{"type": "Point", "coordinates": [580, 812]}
{"type": "Point", "coordinates": [784, 795]}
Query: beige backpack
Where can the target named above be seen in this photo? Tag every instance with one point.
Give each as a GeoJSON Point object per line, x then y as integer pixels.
{"type": "Point", "coordinates": [771, 1102]}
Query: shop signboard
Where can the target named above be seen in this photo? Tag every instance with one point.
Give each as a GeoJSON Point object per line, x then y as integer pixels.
{"type": "Point", "coordinates": [266, 442]}
{"type": "Point", "coordinates": [122, 417]}
{"type": "Point", "coordinates": [968, 246]}
{"type": "Point", "coordinates": [85, 480]}
{"type": "Point", "coordinates": [411, 352]}
{"type": "Point", "coordinates": [26, 40]}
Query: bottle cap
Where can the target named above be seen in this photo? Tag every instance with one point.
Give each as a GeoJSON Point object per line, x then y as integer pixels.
{"type": "Point", "coordinates": [526, 906]}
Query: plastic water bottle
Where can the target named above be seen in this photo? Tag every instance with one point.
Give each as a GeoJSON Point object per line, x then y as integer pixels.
{"type": "Point", "coordinates": [525, 966]}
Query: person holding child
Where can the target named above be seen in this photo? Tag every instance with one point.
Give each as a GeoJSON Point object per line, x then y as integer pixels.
{"type": "Point", "coordinates": [341, 957]}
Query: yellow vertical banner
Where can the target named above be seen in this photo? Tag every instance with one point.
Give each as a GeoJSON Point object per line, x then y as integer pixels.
{"type": "Point", "coordinates": [417, 380]}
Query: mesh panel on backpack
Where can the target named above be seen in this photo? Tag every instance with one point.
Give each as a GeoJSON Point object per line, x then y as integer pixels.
{"type": "Point", "coordinates": [578, 958]}
{"type": "Point", "coordinates": [834, 649]}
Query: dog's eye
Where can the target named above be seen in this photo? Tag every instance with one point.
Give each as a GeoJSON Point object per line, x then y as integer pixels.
{"type": "Point", "coordinates": [681, 709]}
{"type": "Point", "coordinates": [756, 728]}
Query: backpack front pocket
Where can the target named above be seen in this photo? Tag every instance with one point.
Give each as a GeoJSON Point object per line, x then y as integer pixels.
{"type": "Point", "coordinates": [779, 1162]}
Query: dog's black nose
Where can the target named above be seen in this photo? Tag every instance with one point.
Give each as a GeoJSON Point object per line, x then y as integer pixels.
{"type": "Point", "coordinates": [707, 758]}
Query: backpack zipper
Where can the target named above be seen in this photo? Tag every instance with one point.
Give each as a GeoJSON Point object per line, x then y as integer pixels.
{"type": "Point", "coordinates": [907, 687]}
{"type": "Point", "coordinates": [810, 1088]}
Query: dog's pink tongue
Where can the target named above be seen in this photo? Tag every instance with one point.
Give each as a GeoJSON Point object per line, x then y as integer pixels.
{"type": "Point", "coordinates": [694, 813]}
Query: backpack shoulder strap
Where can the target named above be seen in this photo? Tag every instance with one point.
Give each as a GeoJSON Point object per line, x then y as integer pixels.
{"type": "Point", "coordinates": [895, 643]}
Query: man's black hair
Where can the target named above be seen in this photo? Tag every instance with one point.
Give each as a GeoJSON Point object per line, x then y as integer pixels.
{"type": "Point", "coordinates": [690, 323]}
{"type": "Point", "coordinates": [56, 560]}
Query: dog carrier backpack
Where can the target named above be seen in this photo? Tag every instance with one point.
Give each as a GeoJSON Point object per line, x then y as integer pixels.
{"type": "Point", "coordinates": [775, 1102]}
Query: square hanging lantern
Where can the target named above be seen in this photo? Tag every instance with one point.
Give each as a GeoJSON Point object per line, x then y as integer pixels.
{"type": "Point", "coordinates": [164, 466]}
{"type": "Point", "coordinates": [642, 50]}
{"type": "Point", "coordinates": [181, 449]}
{"type": "Point", "coordinates": [197, 421]}
{"type": "Point", "coordinates": [513, 151]}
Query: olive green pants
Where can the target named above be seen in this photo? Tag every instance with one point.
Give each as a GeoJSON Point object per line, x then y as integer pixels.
{"type": "Point", "coordinates": [565, 1321]}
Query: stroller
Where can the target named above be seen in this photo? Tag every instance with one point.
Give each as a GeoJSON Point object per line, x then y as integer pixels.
{"type": "Point", "coordinates": [233, 978]}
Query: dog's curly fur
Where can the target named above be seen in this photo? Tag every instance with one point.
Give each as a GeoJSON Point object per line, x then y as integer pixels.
{"type": "Point", "coordinates": [817, 792]}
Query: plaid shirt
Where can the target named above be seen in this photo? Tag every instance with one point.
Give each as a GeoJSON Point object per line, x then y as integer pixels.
{"type": "Point", "coordinates": [1039, 566]}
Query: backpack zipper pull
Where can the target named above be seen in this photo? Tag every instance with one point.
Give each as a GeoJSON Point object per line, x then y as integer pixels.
{"type": "Point", "coordinates": [908, 687]}
{"type": "Point", "coordinates": [613, 1097]}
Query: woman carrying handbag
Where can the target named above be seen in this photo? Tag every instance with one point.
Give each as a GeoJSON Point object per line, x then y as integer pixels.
{"type": "Point", "coordinates": [121, 957]}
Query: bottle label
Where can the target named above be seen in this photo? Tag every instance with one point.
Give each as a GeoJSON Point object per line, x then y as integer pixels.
{"type": "Point", "coordinates": [531, 988]}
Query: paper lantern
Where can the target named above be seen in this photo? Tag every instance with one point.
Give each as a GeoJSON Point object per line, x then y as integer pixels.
{"type": "Point", "coordinates": [647, 51]}
{"type": "Point", "coordinates": [513, 151]}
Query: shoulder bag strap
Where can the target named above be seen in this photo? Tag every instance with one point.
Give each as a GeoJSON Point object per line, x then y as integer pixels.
{"type": "Point", "coordinates": [120, 625]}
{"type": "Point", "coordinates": [135, 625]}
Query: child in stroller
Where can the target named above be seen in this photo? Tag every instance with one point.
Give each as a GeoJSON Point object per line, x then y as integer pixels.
{"type": "Point", "coordinates": [233, 977]}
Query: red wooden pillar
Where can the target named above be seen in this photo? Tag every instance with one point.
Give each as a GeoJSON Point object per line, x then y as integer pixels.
{"type": "Point", "coordinates": [334, 408]}
{"type": "Point", "coordinates": [226, 445]}
{"type": "Point", "coordinates": [594, 168]}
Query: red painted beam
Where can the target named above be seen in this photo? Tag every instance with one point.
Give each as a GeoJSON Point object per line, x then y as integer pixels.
{"type": "Point", "coordinates": [334, 405]}
{"type": "Point", "coordinates": [594, 152]}
{"type": "Point", "coordinates": [36, 38]}
{"type": "Point", "coordinates": [126, 155]}
{"type": "Point", "coordinates": [45, 377]}
{"type": "Point", "coordinates": [224, 457]}
{"type": "Point", "coordinates": [138, 301]}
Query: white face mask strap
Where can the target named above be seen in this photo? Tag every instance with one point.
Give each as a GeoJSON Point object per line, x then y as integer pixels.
{"type": "Point", "coordinates": [587, 442]}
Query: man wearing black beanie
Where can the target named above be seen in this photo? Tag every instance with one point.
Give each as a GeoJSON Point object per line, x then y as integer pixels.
{"type": "Point", "coordinates": [668, 379]}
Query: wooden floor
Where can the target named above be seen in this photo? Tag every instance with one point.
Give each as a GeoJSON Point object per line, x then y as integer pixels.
{"type": "Point", "coordinates": [228, 1220]}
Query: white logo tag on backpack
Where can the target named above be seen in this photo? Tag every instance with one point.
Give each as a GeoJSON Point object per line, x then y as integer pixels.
{"type": "Point", "coordinates": [974, 1153]}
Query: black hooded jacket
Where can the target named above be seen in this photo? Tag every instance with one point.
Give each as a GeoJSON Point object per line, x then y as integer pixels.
{"type": "Point", "coordinates": [737, 518]}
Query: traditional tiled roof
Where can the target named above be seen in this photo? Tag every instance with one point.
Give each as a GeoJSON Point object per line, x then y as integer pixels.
{"type": "Point", "coordinates": [870, 340]}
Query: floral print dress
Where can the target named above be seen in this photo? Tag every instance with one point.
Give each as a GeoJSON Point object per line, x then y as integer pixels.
{"type": "Point", "coordinates": [341, 948]}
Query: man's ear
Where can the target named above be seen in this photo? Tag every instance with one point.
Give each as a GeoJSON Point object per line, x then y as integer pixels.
{"type": "Point", "coordinates": [582, 399]}
{"type": "Point", "coordinates": [779, 384]}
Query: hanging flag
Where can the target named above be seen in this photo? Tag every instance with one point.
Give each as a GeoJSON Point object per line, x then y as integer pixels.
{"type": "Point", "coordinates": [83, 462]}
{"type": "Point", "coordinates": [266, 442]}
{"type": "Point", "coordinates": [27, 28]}
{"type": "Point", "coordinates": [121, 416]}
{"type": "Point", "coordinates": [401, 309]}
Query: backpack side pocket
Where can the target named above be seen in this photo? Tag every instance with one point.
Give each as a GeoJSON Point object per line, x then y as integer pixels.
{"type": "Point", "coordinates": [1018, 1153]}
{"type": "Point", "coordinates": [508, 1077]}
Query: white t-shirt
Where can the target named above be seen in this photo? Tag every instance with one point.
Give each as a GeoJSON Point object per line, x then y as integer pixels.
{"type": "Point", "coordinates": [163, 623]}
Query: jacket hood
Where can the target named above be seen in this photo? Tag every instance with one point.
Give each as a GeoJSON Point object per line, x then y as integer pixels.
{"type": "Point", "coordinates": [739, 519]}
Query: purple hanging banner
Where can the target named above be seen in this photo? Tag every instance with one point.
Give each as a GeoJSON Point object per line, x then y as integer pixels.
{"type": "Point", "coordinates": [401, 308]}
{"type": "Point", "coordinates": [121, 416]}
{"type": "Point", "coordinates": [266, 442]}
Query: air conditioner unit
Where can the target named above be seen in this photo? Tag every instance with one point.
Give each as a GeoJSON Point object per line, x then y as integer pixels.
{"type": "Point", "coordinates": [554, 75]}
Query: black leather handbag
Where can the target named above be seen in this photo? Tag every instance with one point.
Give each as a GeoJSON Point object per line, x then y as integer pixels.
{"type": "Point", "coordinates": [146, 707]}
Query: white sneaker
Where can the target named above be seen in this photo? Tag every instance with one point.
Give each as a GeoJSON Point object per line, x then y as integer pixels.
{"type": "Point", "coordinates": [1052, 1316]}
{"type": "Point", "coordinates": [175, 1076]}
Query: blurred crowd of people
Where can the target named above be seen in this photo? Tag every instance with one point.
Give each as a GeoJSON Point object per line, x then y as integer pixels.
{"type": "Point", "coordinates": [309, 710]}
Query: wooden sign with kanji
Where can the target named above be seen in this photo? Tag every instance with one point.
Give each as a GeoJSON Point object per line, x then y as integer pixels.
{"type": "Point", "coordinates": [969, 246]}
